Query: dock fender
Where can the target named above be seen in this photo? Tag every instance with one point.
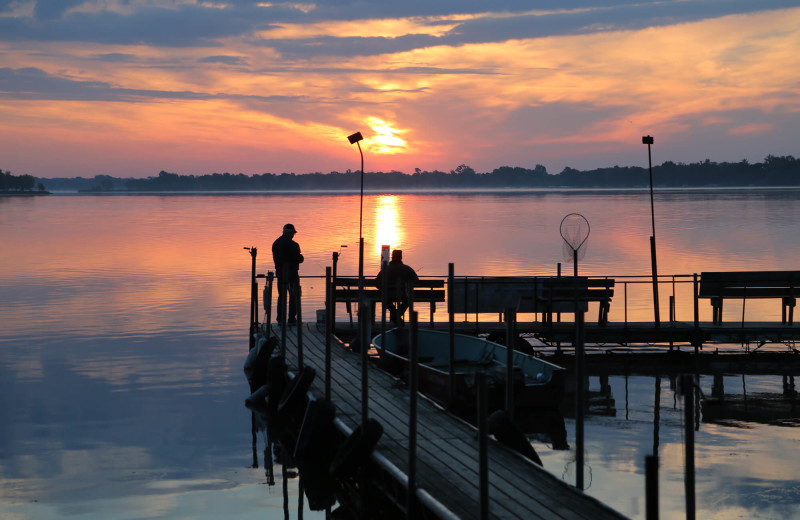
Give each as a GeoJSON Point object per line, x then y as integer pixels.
{"type": "Point", "coordinates": [276, 375]}
{"type": "Point", "coordinates": [313, 452]}
{"type": "Point", "coordinates": [294, 395]}
{"type": "Point", "coordinates": [506, 432]}
{"type": "Point", "coordinates": [316, 432]}
{"type": "Point", "coordinates": [318, 486]}
{"type": "Point", "coordinates": [257, 397]}
{"type": "Point", "coordinates": [257, 364]}
{"type": "Point", "coordinates": [356, 450]}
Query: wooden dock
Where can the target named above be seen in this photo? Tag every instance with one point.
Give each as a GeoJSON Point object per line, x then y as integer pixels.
{"type": "Point", "coordinates": [447, 447]}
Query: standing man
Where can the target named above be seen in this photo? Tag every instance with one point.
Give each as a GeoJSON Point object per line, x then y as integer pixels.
{"type": "Point", "coordinates": [400, 280]}
{"type": "Point", "coordinates": [287, 258]}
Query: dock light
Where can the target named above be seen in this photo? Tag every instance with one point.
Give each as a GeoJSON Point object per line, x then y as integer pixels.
{"type": "Point", "coordinates": [648, 140]}
{"type": "Point", "coordinates": [362, 336]}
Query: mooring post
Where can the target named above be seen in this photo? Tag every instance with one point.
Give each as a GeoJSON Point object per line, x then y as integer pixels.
{"type": "Point", "coordinates": [688, 419]}
{"type": "Point", "coordinates": [580, 398]}
{"type": "Point", "coordinates": [413, 358]}
{"type": "Point", "coordinates": [299, 308]}
{"type": "Point", "coordinates": [510, 340]}
{"type": "Point", "coordinates": [328, 329]}
{"type": "Point", "coordinates": [651, 486]}
{"type": "Point", "coordinates": [483, 445]}
{"type": "Point", "coordinates": [452, 328]}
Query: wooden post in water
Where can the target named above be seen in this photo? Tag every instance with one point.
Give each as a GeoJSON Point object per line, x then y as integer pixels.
{"type": "Point", "coordinates": [510, 340]}
{"type": "Point", "coordinates": [483, 446]}
{"type": "Point", "coordinates": [688, 419]}
{"type": "Point", "coordinates": [651, 486]}
{"type": "Point", "coordinates": [329, 304]}
{"type": "Point", "coordinates": [413, 382]}
{"type": "Point", "coordinates": [452, 328]}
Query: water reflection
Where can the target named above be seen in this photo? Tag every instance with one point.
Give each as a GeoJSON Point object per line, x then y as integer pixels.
{"type": "Point", "coordinates": [388, 228]}
{"type": "Point", "coordinates": [739, 456]}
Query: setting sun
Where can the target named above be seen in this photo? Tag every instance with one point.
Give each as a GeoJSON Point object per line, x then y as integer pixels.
{"type": "Point", "coordinates": [386, 138]}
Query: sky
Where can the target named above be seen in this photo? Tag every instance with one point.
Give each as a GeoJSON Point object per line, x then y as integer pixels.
{"type": "Point", "coordinates": [131, 87]}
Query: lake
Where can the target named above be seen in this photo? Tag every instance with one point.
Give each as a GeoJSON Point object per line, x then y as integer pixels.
{"type": "Point", "coordinates": [124, 326]}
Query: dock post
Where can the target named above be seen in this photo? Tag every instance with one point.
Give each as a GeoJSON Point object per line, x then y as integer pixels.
{"type": "Point", "coordinates": [253, 298]}
{"type": "Point", "coordinates": [363, 320]}
{"type": "Point", "coordinates": [283, 299]}
{"type": "Point", "coordinates": [688, 419]}
{"type": "Point", "coordinates": [411, 500]}
{"type": "Point", "coordinates": [451, 380]}
{"type": "Point", "coordinates": [268, 302]}
{"type": "Point", "coordinates": [580, 398]}
{"type": "Point", "coordinates": [651, 486]}
{"type": "Point", "coordinates": [298, 291]}
{"type": "Point", "coordinates": [655, 281]}
{"type": "Point", "coordinates": [328, 329]}
{"type": "Point", "coordinates": [510, 340]}
{"type": "Point", "coordinates": [483, 445]}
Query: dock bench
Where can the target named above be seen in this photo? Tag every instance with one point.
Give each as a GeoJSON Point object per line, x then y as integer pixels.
{"type": "Point", "coordinates": [532, 294]}
{"type": "Point", "coordinates": [560, 294]}
{"type": "Point", "coordinates": [743, 285]}
{"type": "Point", "coordinates": [345, 290]}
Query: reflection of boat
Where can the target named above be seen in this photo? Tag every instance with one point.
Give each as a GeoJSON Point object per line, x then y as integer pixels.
{"type": "Point", "coordinates": [538, 385]}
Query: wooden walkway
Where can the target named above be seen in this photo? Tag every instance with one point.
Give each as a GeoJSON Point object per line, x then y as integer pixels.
{"type": "Point", "coordinates": [447, 447]}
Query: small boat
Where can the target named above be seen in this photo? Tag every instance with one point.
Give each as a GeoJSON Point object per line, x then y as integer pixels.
{"type": "Point", "coordinates": [538, 385]}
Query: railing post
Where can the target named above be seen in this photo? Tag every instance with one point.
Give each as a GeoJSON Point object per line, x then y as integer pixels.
{"type": "Point", "coordinates": [298, 291]}
{"type": "Point", "coordinates": [688, 419]}
{"type": "Point", "coordinates": [411, 501]}
{"type": "Point", "coordinates": [329, 317]}
{"type": "Point", "coordinates": [510, 340]}
{"type": "Point", "coordinates": [452, 327]}
{"type": "Point", "coordinates": [483, 446]}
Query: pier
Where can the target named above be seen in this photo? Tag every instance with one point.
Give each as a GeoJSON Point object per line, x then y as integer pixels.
{"type": "Point", "coordinates": [447, 448]}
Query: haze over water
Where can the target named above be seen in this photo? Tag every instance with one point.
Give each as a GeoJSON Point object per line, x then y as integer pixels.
{"type": "Point", "coordinates": [123, 329]}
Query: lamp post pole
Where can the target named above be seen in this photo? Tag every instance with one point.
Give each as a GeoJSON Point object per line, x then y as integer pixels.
{"type": "Point", "coordinates": [648, 140]}
{"type": "Point", "coordinates": [363, 307]}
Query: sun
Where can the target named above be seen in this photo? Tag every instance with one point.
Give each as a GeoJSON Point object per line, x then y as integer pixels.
{"type": "Point", "coordinates": [385, 137]}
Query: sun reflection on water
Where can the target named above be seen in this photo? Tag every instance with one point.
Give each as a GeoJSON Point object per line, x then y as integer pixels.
{"type": "Point", "coordinates": [387, 228]}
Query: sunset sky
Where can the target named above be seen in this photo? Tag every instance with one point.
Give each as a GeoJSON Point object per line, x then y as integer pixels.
{"type": "Point", "coordinates": [131, 87]}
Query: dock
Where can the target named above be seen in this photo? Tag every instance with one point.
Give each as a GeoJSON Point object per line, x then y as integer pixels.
{"type": "Point", "coordinates": [447, 447]}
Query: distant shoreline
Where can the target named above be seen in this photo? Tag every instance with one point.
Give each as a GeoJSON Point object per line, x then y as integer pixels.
{"type": "Point", "coordinates": [419, 191]}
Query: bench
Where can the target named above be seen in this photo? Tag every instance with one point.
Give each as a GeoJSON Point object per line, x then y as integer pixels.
{"type": "Point", "coordinates": [345, 289]}
{"type": "Point", "coordinates": [561, 294]}
{"type": "Point", "coordinates": [530, 294]}
{"type": "Point", "coordinates": [719, 286]}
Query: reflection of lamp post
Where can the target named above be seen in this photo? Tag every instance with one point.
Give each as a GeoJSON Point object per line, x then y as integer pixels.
{"type": "Point", "coordinates": [648, 140]}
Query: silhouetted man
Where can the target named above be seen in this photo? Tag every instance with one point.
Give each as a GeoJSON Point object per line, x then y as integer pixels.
{"type": "Point", "coordinates": [287, 257]}
{"type": "Point", "coordinates": [400, 280]}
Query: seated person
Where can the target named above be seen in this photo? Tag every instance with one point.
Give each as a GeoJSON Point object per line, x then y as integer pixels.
{"type": "Point", "coordinates": [400, 280]}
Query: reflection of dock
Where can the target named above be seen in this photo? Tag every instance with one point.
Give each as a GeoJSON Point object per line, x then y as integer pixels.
{"type": "Point", "coordinates": [447, 448]}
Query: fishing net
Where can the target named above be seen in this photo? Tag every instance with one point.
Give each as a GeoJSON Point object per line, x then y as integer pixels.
{"type": "Point", "coordinates": [574, 231]}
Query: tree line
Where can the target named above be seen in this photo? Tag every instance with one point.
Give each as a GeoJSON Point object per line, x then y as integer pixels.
{"type": "Point", "coordinates": [18, 183]}
{"type": "Point", "coordinates": [773, 171]}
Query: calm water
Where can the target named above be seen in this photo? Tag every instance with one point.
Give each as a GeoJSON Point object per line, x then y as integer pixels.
{"type": "Point", "coordinates": [123, 329]}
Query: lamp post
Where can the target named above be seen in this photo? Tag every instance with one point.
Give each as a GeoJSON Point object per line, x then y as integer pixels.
{"type": "Point", "coordinates": [648, 140]}
{"type": "Point", "coordinates": [362, 306]}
